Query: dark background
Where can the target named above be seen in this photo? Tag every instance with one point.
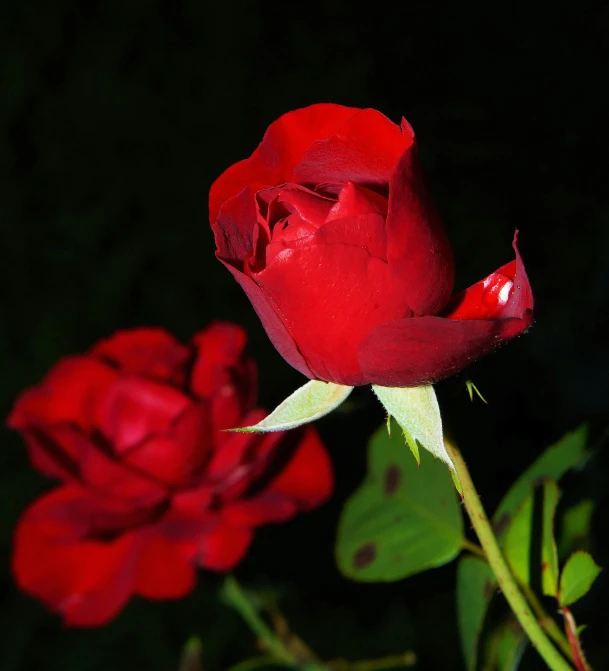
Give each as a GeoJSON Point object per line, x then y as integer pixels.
{"type": "Point", "coordinates": [115, 119]}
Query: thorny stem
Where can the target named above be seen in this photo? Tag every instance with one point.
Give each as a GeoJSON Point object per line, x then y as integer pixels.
{"type": "Point", "coordinates": [507, 583]}
{"type": "Point", "coordinates": [571, 628]}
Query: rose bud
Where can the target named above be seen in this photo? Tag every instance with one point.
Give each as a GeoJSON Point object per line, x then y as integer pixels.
{"type": "Point", "coordinates": [329, 229]}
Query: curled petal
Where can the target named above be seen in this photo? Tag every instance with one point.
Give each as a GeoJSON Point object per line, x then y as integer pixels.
{"type": "Point", "coordinates": [364, 150]}
{"type": "Point", "coordinates": [413, 352]}
{"type": "Point", "coordinates": [504, 293]}
{"type": "Point", "coordinates": [280, 151]}
{"type": "Point", "coordinates": [234, 224]}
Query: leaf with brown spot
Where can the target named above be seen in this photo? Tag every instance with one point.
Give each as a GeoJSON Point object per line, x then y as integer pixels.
{"type": "Point", "coordinates": [364, 556]}
{"type": "Point", "coordinates": [392, 479]}
{"type": "Point", "coordinates": [403, 519]}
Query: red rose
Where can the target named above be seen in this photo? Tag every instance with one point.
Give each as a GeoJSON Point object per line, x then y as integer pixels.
{"type": "Point", "coordinates": [151, 486]}
{"type": "Point", "coordinates": [330, 231]}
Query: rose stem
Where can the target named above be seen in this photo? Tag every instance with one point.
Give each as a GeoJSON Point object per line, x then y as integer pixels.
{"type": "Point", "coordinates": [506, 580]}
{"type": "Point", "coordinates": [271, 642]}
{"type": "Point", "coordinates": [550, 627]}
{"type": "Point", "coordinates": [239, 601]}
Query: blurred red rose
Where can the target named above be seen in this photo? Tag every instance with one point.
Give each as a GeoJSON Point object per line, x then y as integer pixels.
{"type": "Point", "coordinates": [330, 231]}
{"type": "Point", "coordinates": [151, 486]}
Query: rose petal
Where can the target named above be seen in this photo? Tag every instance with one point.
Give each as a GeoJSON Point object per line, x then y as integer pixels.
{"type": "Point", "coordinates": [65, 395]}
{"type": "Point", "coordinates": [504, 293]}
{"type": "Point", "coordinates": [281, 149]}
{"type": "Point", "coordinates": [165, 460]}
{"type": "Point", "coordinates": [264, 509]}
{"type": "Point", "coordinates": [364, 150]}
{"type": "Point", "coordinates": [221, 368]}
{"type": "Point", "coordinates": [305, 482]}
{"type": "Point", "coordinates": [230, 466]}
{"type": "Point", "coordinates": [423, 350]}
{"type": "Point", "coordinates": [418, 250]}
{"type": "Point", "coordinates": [177, 459]}
{"type": "Point", "coordinates": [273, 324]}
{"type": "Point", "coordinates": [107, 475]}
{"type": "Point", "coordinates": [53, 452]}
{"type": "Point", "coordinates": [417, 351]}
{"type": "Point", "coordinates": [88, 582]}
{"type": "Point", "coordinates": [354, 200]}
{"type": "Point", "coordinates": [151, 352]}
{"type": "Point", "coordinates": [163, 571]}
{"type": "Point", "coordinates": [234, 226]}
{"type": "Point", "coordinates": [366, 231]}
{"type": "Point", "coordinates": [331, 295]}
{"type": "Point", "coordinates": [133, 409]}
{"type": "Point", "coordinates": [224, 547]}
{"type": "Point", "coordinates": [310, 206]}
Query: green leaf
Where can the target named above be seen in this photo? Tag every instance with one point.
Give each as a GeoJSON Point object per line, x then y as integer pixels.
{"type": "Point", "coordinates": [402, 520]}
{"type": "Point", "coordinates": [519, 540]}
{"type": "Point", "coordinates": [511, 645]}
{"type": "Point", "coordinates": [312, 401]}
{"type": "Point", "coordinates": [505, 648]}
{"type": "Point", "coordinates": [577, 577]}
{"type": "Point", "coordinates": [476, 585]}
{"type": "Point", "coordinates": [416, 410]}
{"type": "Point", "coordinates": [552, 465]}
{"type": "Point", "coordinates": [575, 531]}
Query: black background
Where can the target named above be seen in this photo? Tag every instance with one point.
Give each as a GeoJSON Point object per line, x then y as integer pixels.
{"type": "Point", "coordinates": [115, 119]}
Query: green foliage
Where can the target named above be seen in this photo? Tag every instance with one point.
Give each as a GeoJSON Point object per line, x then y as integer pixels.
{"type": "Point", "coordinates": [522, 532]}
{"type": "Point", "coordinates": [513, 522]}
{"type": "Point", "coordinates": [416, 410]}
{"type": "Point", "coordinates": [507, 646]}
{"type": "Point", "coordinates": [575, 529]}
{"type": "Point", "coordinates": [403, 519]}
{"type": "Point", "coordinates": [476, 584]}
{"type": "Point", "coordinates": [510, 647]}
{"type": "Point", "coordinates": [312, 401]}
{"type": "Point", "coordinates": [577, 577]}
{"type": "Point", "coordinates": [555, 461]}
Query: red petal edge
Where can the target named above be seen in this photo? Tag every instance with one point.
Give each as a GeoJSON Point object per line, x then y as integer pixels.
{"type": "Point", "coordinates": [280, 151]}
{"type": "Point", "coordinates": [412, 352]}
